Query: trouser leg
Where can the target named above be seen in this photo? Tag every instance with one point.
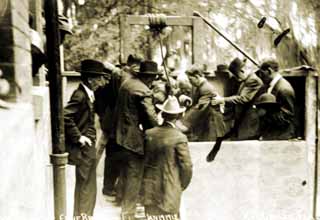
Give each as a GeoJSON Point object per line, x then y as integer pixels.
{"type": "Point", "coordinates": [86, 189]}
{"type": "Point", "coordinates": [111, 168]}
{"type": "Point", "coordinates": [131, 180]}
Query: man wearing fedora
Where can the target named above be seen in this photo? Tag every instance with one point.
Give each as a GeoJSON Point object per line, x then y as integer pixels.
{"type": "Point", "coordinates": [230, 86]}
{"type": "Point", "coordinates": [246, 120]}
{"type": "Point", "coordinates": [285, 97]}
{"type": "Point", "coordinates": [134, 113]}
{"type": "Point", "coordinates": [270, 126]}
{"type": "Point", "coordinates": [80, 135]}
{"type": "Point", "coordinates": [168, 165]}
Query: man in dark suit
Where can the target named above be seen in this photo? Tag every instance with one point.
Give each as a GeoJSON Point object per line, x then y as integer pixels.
{"type": "Point", "coordinates": [284, 127]}
{"type": "Point", "coordinates": [80, 135]}
{"type": "Point", "coordinates": [246, 117]}
{"type": "Point", "coordinates": [134, 113]}
{"type": "Point", "coordinates": [205, 119]}
{"type": "Point", "coordinates": [105, 104]}
{"type": "Point", "coordinates": [168, 165]}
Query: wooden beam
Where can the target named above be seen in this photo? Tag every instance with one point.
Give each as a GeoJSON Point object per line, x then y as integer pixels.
{"type": "Point", "coordinates": [171, 20]}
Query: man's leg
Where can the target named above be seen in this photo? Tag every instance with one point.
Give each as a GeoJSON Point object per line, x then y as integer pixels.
{"type": "Point", "coordinates": [132, 181]}
{"type": "Point", "coordinates": [87, 188]}
{"type": "Point", "coordinates": [111, 169]}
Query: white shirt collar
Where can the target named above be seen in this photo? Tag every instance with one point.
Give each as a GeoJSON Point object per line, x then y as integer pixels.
{"type": "Point", "coordinates": [274, 82]}
{"type": "Point", "coordinates": [89, 92]}
{"type": "Point", "coordinates": [172, 124]}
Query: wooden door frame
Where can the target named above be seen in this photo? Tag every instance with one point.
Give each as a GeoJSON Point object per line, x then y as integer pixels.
{"type": "Point", "coordinates": [194, 22]}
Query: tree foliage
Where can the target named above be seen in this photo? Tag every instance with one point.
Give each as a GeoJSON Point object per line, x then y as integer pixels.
{"type": "Point", "coordinates": [96, 27]}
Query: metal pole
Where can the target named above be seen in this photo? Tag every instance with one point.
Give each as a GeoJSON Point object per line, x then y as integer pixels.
{"type": "Point", "coordinates": [58, 157]}
{"type": "Point", "coordinates": [195, 13]}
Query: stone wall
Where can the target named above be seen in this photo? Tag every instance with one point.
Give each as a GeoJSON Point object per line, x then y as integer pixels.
{"type": "Point", "coordinates": [250, 180]}
{"type": "Point", "coordinates": [26, 188]}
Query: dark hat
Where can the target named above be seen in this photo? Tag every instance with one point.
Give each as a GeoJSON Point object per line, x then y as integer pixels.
{"type": "Point", "coordinates": [267, 100]}
{"type": "Point", "coordinates": [262, 22]}
{"type": "Point", "coordinates": [92, 68]}
{"type": "Point", "coordinates": [271, 63]}
{"type": "Point", "coordinates": [64, 24]}
{"type": "Point", "coordinates": [134, 59]}
{"type": "Point", "coordinates": [280, 37]}
{"type": "Point", "coordinates": [149, 67]}
{"type": "Point", "coordinates": [236, 65]}
{"type": "Point", "coordinates": [222, 68]}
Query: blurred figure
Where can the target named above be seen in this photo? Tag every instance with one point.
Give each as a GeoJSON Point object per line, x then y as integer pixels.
{"type": "Point", "coordinates": [246, 120]}
{"type": "Point", "coordinates": [204, 119]}
{"type": "Point", "coordinates": [105, 107]}
{"type": "Point", "coordinates": [80, 136]}
{"type": "Point", "coordinates": [134, 113]}
{"type": "Point", "coordinates": [168, 166]}
{"type": "Point", "coordinates": [285, 97]}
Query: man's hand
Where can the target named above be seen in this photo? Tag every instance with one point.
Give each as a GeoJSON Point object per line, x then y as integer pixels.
{"type": "Point", "coordinates": [217, 100]}
{"type": "Point", "coordinates": [85, 141]}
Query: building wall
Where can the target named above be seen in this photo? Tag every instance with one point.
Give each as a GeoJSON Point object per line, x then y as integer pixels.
{"type": "Point", "coordinates": [26, 186]}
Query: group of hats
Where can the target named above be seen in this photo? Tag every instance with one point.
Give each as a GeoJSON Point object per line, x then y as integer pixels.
{"type": "Point", "coordinates": [91, 67]}
{"type": "Point", "coordinates": [234, 68]}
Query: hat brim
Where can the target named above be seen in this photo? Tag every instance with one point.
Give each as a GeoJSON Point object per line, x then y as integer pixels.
{"type": "Point", "coordinates": [150, 73]}
{"type": "Point", "coordinates": [93, 73]}
{"type": "Point", "coordinates": [173, 112]}
{"type": "Point", "coordinates": [267, 105]}
{"type": "Point", "coordinates": [224, 71]}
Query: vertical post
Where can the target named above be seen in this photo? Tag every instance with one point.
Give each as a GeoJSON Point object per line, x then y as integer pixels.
{"type": "Point", "coordinates": [58, 157]}
{"type": "Point", "coordinates": [310, 133]}
{"type": "Point", "coordinates": [316, 173]}
{"type": "Point", "coordinates": [197, 41]}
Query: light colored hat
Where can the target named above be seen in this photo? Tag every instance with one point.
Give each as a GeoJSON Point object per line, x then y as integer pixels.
{"type": "Point", "coordinates": [171, 106]}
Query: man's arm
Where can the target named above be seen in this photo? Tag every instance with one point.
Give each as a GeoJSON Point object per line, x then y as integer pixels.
{"type": "Point", "coordinates": [70, 112]}
{"type": "Point", "coordinates": [185, 164]}
{"type": "Point", "coordinates": [149, 115]}
{"type": "Point", "coordinates": [249, 90]}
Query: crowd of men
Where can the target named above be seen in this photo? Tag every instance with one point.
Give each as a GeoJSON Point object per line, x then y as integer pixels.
{"type": "Point", "coordinates": [146, 119]}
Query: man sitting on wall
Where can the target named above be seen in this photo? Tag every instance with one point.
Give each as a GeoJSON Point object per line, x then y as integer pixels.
{"type": "Point", "coordinates": [285, 97]}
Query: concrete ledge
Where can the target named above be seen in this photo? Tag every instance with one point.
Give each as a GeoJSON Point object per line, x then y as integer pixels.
{"type": "Point", "coordinates": [265, 180]}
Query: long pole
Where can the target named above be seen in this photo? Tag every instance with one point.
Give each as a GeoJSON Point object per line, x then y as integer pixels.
{"type": "Point", "coordinates": [195, 13]}
{"type": "Point", "coordinates": [58, 157]}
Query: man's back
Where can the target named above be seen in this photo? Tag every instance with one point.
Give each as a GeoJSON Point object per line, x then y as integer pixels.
{"type": "Point", "coordinates": [134, 113]}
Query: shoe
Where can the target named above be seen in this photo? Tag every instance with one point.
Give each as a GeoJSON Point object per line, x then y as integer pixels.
{"type": "Point", "coordinates": [109, 192]}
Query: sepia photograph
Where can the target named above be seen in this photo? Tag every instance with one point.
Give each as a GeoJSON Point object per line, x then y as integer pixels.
{"type": "Point", "coordinates": [159, 110]}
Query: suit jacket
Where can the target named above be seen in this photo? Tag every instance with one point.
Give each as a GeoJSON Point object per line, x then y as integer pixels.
{"type": "Point", "coordinates": [205, 120]}
{"type": "Point", "coordinates": [246, 118]}
{"type": "Point", "coordinates": [79, 120]}
{"type": "Point", "coordinates": [280, 125]}
{"type": "Point", "coordinates": [168, 168]}
{"type": "Point", "coordinates": [134, 113]}
{"type": "Point", "coordinates": [106, 98]}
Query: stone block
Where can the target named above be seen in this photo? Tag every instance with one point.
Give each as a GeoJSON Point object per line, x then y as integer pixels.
{"type": "Point", "coordinates": [40, 102]}
{"type": "Point", "coordinates": [21, 39]}
{"type": "Point", "coordinates": [23, 77]}
{"type": "Point", "coordinates": [20, 22]}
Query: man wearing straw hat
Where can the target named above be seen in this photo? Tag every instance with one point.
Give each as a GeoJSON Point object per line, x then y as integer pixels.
{"type": "Point", "coordinates": [168, 166]}
{"type": "Point", "coordinates": [134, 113]}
